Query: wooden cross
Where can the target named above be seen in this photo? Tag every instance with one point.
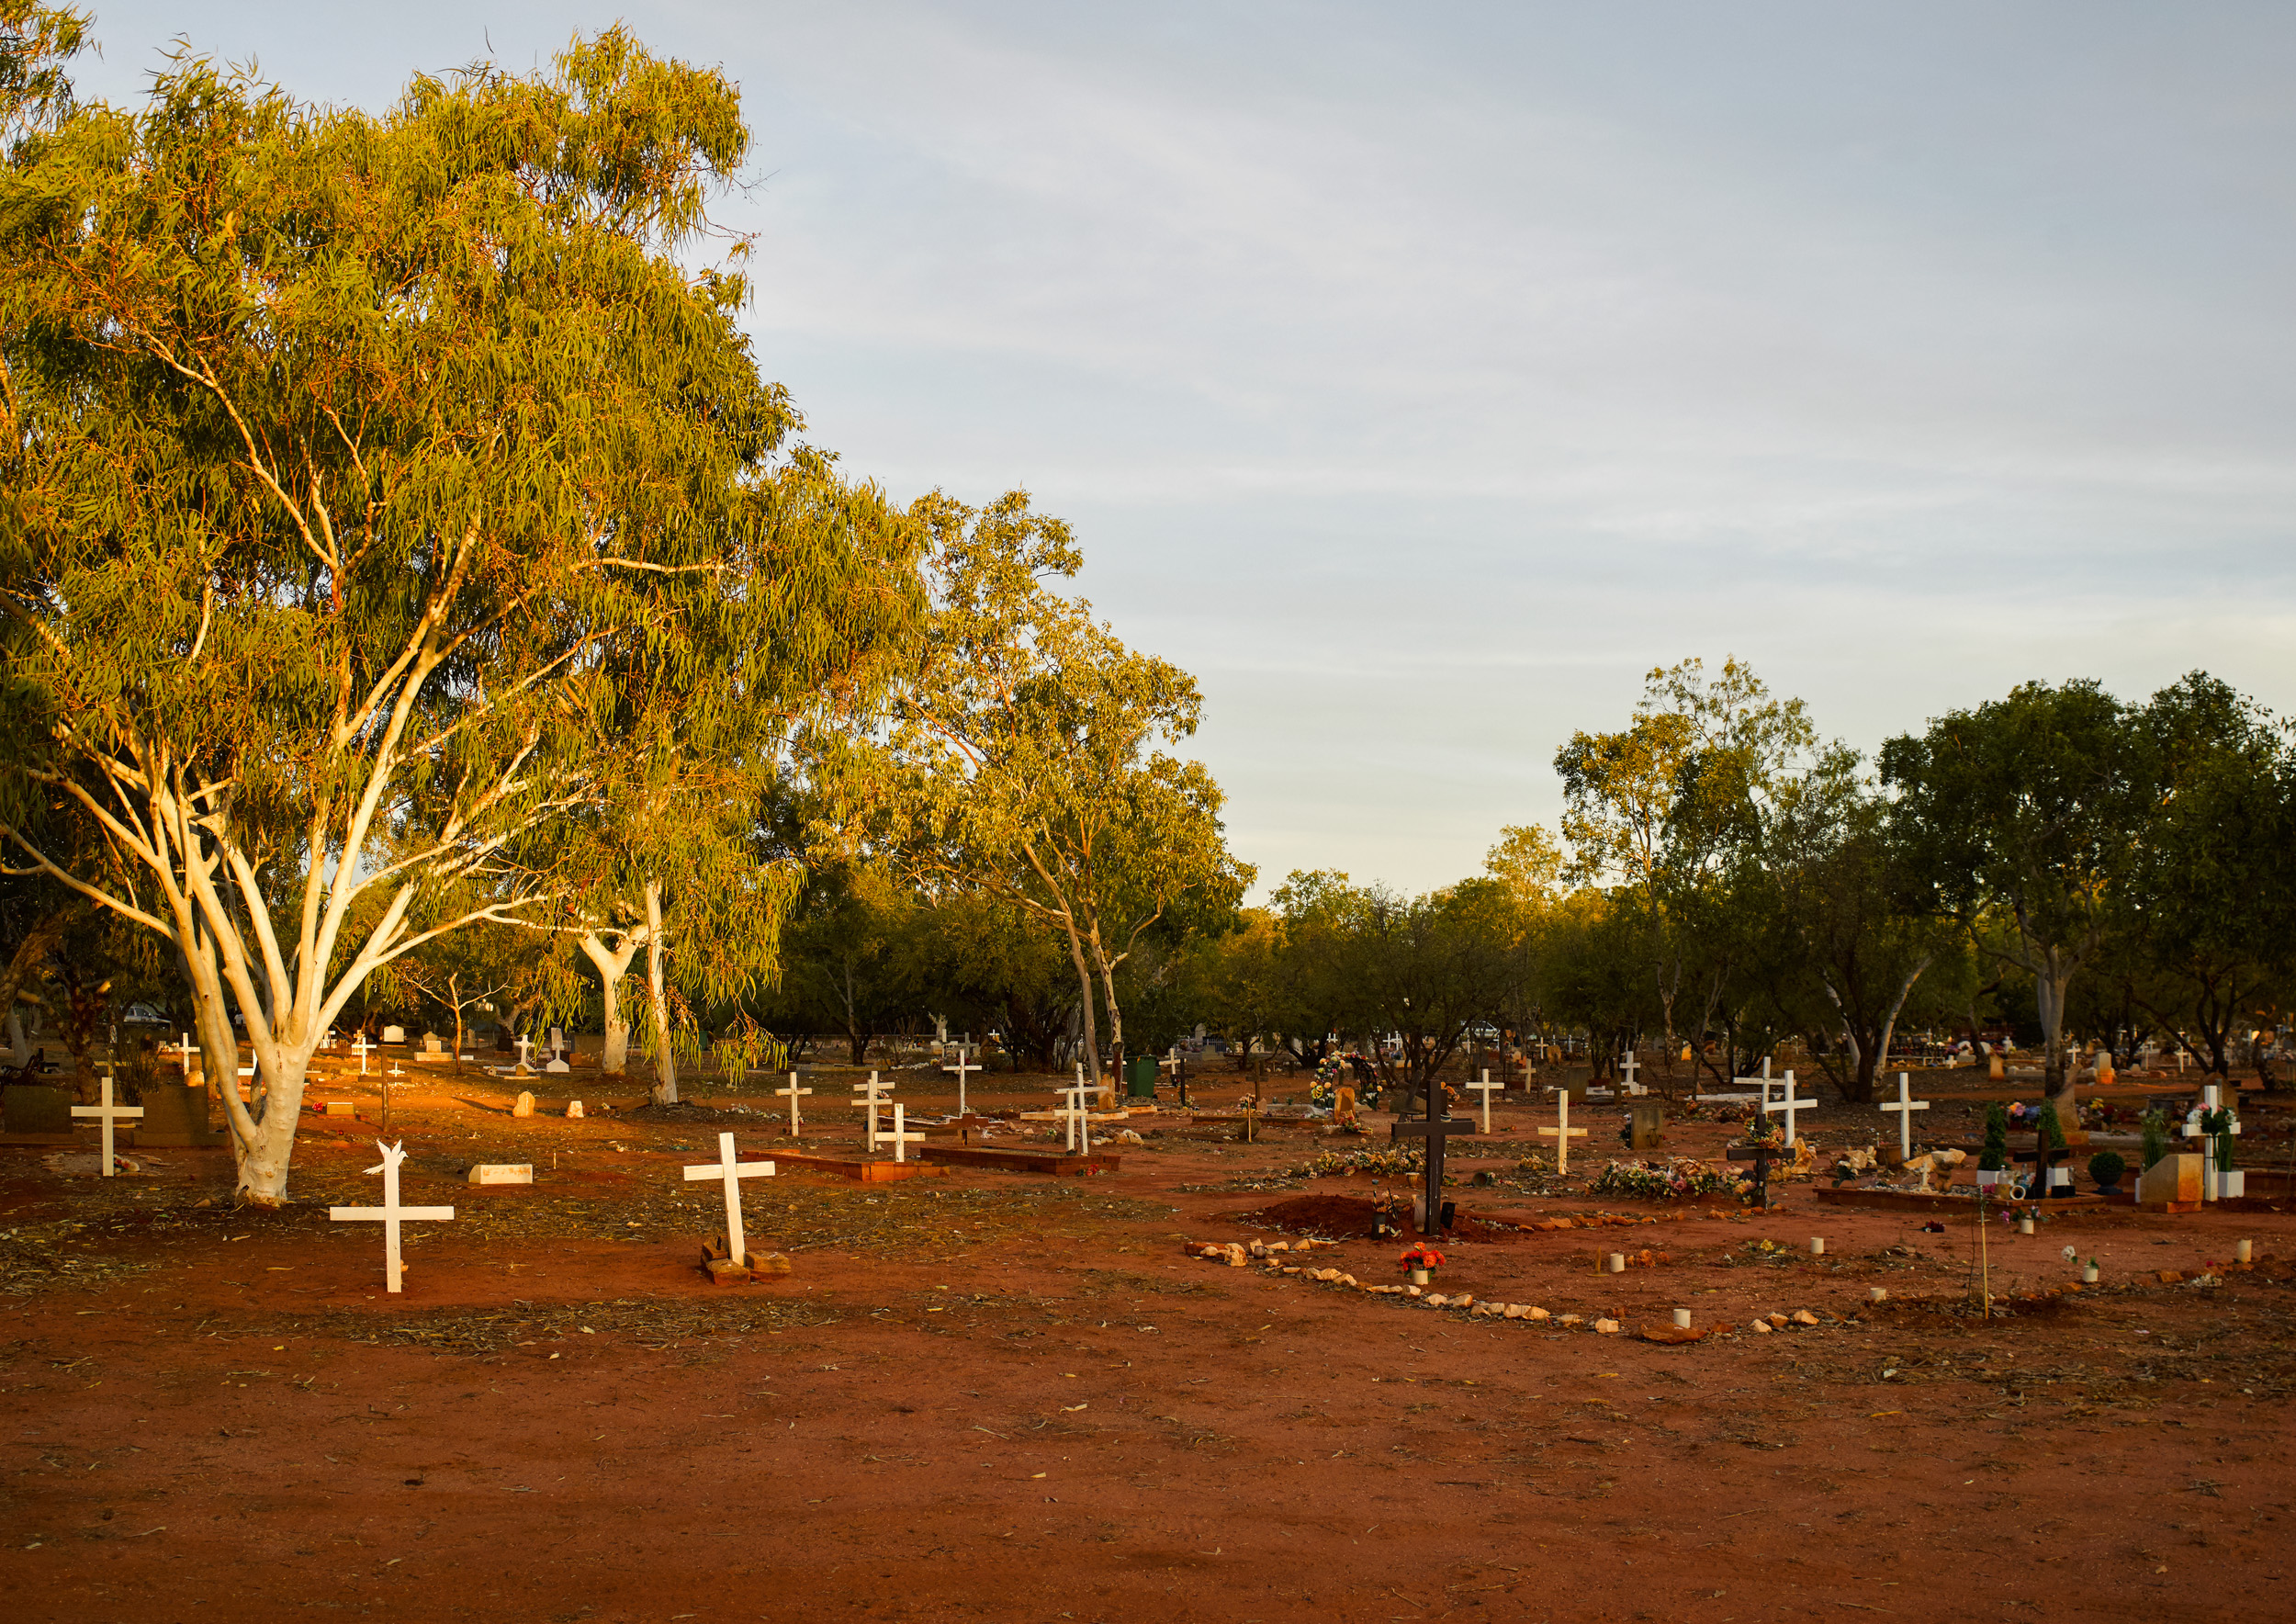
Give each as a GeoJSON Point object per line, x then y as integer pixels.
{"type": "Point", "coordinates": [1178, 1068]}
{"type": "Point", "coordinates": [1484, 1088]}
{"type": "Point", "coordinates": [1434, 1131]}
{"type": "Point", "coordinates": [1626, 1070]}
{"type": "Point", "coordinates": [1788, 1104]}
{"type": "Point", "coordinates": [733, 1172]}
{"type": "Point", "coordinates": [872, 1099]}
{"type": "Point", "coordinates": [791, 1094]}
{"type": "Point", "coordinates": [1905, 1105]}
{"type": "Point", "coordinates": [961, 1067]}
{"type": "Point", "coordinates": [1562, 1133]}
{"type": "Point", "coordinates": [1078, 1112]}
{"type": "Point", "coordinates": [2046, 1169]}
{"type": "Point", "coordinates": [391, 1214]}
{"type": "Point", "coordinates": [525, 1048]}
{"type": "Point", "coordinates": [1760, 1155]}
{"type": "Point", "coordinates": [108, 1112]}
{"type": "Point", "coordinates": [191, 1048]}
{"type": "Point", "coordinates": [901, 1138]}
{"type": "Point", "coordinates": [359, 1047]}
{"type": "Point", "coordinates": [968, 1125]}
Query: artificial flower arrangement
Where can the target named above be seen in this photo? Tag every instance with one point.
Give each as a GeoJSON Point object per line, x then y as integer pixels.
{"type": "Point", "coordinates": [1663, 1181]}
{"type": "Point", "coordinates": [1419, 1260]}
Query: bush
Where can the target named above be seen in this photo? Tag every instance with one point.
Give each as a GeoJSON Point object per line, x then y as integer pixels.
{"type": "Point", "coordinates": [2106, 1167]}
{"type": "Point", "coordinates": [2155, 1137]}
{"type": "Point", "coordinates": [1995, 1155]}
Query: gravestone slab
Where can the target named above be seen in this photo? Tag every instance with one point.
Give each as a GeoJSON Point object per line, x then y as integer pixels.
{"type": "Point", "coordinates": [33, 1111]}
{"type": "Point", "coordinates": [2171, 1185]}
{"type": "Point", "coordinates": [523, 1105]}
{"type": "Point", "coordinates": [502, 1173]}
{"type": "Point", "coordinates": [394, 1035]}
{"type": "Point", "coordinates": [175, 1118]}
{"type": "Point", "coordinates": [343, 1108]}
{"type": "Point", "coordinates": [1648, 1119]}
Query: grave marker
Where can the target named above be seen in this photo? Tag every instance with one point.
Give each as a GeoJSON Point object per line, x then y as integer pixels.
{"type": "Point", "coordinates": [1433, 1132]}
{"type": "Point", "coordinates": [1178, 1068]}
{"type": "Point", "coordinates": [1562, 1133]}
{"type": "Point", "coordinates": [525, 1046]}
{"type": "Point", "coordinates": [108, 1114]}
{"type": "Point", "coordinates": [900, 1136]}
{"type": "Point", "coordinates": [1788, 1104]}
{"type": "Point", "coordinates": [1077, 1111]}
{"type": "Point", "coordinates": [1760, 1157]}
{"type": "Point", "coordinates": [391, 1214]}
{"type": "Point", "coordinates": [1626, 1070]}
{"type": "Point", "coordinates": [359, 1047]}
{"type": "Point", "coordinates": [1905, 1105]}
{"type": "Point", "coordinates": [960, 1068]}
{"type": "Point", "coordinates": [731, 1172]}
{"type": "Point", "coordinates": [188, 1050]}
{"type": "Point", "coordinates": [791, 1094]}
{"type": "Point", "coordinates": [873, 1098]}
{"type": "Point", "coordinates": [1484, 1088]}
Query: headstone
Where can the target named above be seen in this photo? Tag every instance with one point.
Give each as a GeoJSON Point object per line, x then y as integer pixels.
{"type": "Point", "coordinates": [432, 1043]}
{"type": "Point", "coordinates": [394, 1035]}
{"type": "Point", "coordinates": [1562, 1133]}
{"type": "Point", "coordinates": [2171, 1184]}
{"type": "Point", "coordinates": [1905, 1105]}
{"type": "Point", "coordinates": [1646, 1125]}
{"type": "Point", "coordinates": [391, 1214]}
{"type": "Point", "coordinates": [176, 1119]}
{"type": "Point", "coordinates": [35, 1109]}
{"type": "Point", "coordinates": [342, 1108]}
{"type": "Point", "coordinates": [502, 1173]}
{"type": "Point", "coordinates": [523, 1105]}
{"type": "Point", "coordinates": [559, 1062]}
{"type": "Point", "coordinates": [731, 1171]}
{"type": "Point", "coordinates": [573, 1108]}
{"type": "Point", "coordinates": [107, 1113]}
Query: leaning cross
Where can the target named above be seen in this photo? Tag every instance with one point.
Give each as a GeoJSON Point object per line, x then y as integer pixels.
{"type": "Point", "coordinates": [391, 1212]}
{"type": "Point", "coordinates": [1434, 1130]}
{"type": "Point", "coordinates": [1905, 1105]}
{"type": "Point", "coordinates": [1562, 1133]}
{"type": "Point", "coordinates": [108, 1112]}
{"type": "Point", "coordinates": [791, 1094]}
{"type": "Point", "coordinates": [872, 1097]}
{"type": "Point", "coordinates": [1484, 1088]}
{"type": "Point", "coordinates": [733, 1172]}
{"type": "Point", "coordinates": [961, 1067]}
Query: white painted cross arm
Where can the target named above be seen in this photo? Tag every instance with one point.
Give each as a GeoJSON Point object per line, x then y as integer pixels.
{"type": "Point", "coordinates": [733, 1172]}
{"type": "Point", "coordinates": [107, 1113]}
{"type": "Point", "coordinates": [390, 1214]}
{"type": "Point", "coordinates": [1905, 1105]}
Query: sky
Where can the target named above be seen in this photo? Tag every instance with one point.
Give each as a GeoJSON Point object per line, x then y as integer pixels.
{"type": "Point", "coordinates": [1420, 377]}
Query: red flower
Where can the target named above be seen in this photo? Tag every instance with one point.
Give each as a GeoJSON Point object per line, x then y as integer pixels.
{"type": "Point", "coordinates": [1421, 1255]}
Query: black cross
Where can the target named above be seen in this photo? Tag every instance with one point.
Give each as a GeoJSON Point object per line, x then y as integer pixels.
{"type": "Point", "coordinates": [1435, 1129]}
{"type": "Point", "coordinates": [1760, 1155]}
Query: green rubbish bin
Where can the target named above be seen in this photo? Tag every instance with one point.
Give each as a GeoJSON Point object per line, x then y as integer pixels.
{"type": "Point", "coordinates": [1139, 1077]}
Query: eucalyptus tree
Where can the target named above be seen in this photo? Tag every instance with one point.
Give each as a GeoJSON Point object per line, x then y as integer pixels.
{"type": "Point", "coordinates": [1024, 756]}
{"type": "Point", "coordinates": [348, 453]}
{"type": "Point", "coordinates": [2031, 809]}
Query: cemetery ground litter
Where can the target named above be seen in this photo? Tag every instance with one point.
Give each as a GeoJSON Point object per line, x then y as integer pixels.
{"type": "Point", "coordinates": [1008, 1396]}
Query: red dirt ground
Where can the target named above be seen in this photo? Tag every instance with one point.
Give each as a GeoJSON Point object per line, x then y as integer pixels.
{"type": "Point", "coordinates": [1000, 1399]}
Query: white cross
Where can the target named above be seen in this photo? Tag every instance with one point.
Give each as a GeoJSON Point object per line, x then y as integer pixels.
{"type": "Point", "coordinates": [107, 1112]}
{"type": "Point", "coordinates": [1562, 1133]}
{"type": "Point", "coordinates": [791, 1094]}
{"type": "Point", "coordinates": [1172, 1063]}
{"type": "Point", "coordinates": [733, 1172]}
{"type": "Point", "coordinates": [359, 1046]}
{"type": "Point", "coordinates": [873, 1098]}
{"type": "Point", "coordinates": [900, 1137]}
{"type": "Point", "coordinates": [1484, 1088]}
{"type": "Point", "coordinates": [191, 1048]}
{"type": "Point", "coordinates": [1626, 1070]}
{"type": "Point", "coordinates": [391, 1212]}
{"type": "Point", "coordinates": [1788, 1104]}
{"type": "Point", "coordinates": [961, 1067]}
{"type": "Point", "coordinates": [1905, 1105]}
{"type": "Point", "coordinates": [1078, 1113]}
{"type": "Point", "coordinates": [524, 1047]}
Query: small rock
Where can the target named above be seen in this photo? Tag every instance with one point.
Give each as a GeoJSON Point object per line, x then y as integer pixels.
{"type": "Point", "coordinates": [1803, 1316]}
{"type": "Point", "coordinates": [1437, 1300]}
{"type": "Point", "coordinates": [1761, 1328]}
{"type": "Point", "coordinates": [1236, 1257]}
{"type": "Point", "coordinates": [1464, 1300]}
{"type": "Point", "coordinates": [1515, 1311]}
{"type": "Point", "coordinates": [1413, 1292]}
{"type": "Point", "coordinates": [573, 1108]}
{"type": "Point", "coordinates": [1608, 1327]}
{"type": "Point", "coordinates": [1778, 1321]}
{"type": "Point", "coordinates": [1535, 1313]}
{"type": "Point", "coordinates": [1257, 1249]}
{"type": "Point", "coordinates": [1570, 1319]}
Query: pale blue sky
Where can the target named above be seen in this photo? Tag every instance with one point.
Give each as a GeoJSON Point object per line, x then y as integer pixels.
{"type": "Point", "coordinates": [1418, 376]}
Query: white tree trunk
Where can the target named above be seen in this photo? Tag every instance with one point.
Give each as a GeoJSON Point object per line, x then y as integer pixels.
{"type": "Point", "coordinates": [665, 1091]}
{"type": "Point", "coordinates": [19, 1050]}
{"type": "Point", "coordinates": [613, 964]}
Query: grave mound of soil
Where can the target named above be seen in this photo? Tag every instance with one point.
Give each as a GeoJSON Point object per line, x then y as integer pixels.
{"type": "Point", "coordinates": [1355, 1217]}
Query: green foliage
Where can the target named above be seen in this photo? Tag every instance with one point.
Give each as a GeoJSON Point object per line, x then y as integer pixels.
{"type": "Point", "coordinates": [2156, 1132]}
{"type": "Point", "coordinates": [2049, 1132]}
{"type": "Point", "coordinates": [2106, 1167]}
{"type": "Point", "coordinates": [1994, 1156]}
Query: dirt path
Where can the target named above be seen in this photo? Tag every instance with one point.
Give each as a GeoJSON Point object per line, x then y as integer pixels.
{"type": "Point", "coordinates": [985, 1395]}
